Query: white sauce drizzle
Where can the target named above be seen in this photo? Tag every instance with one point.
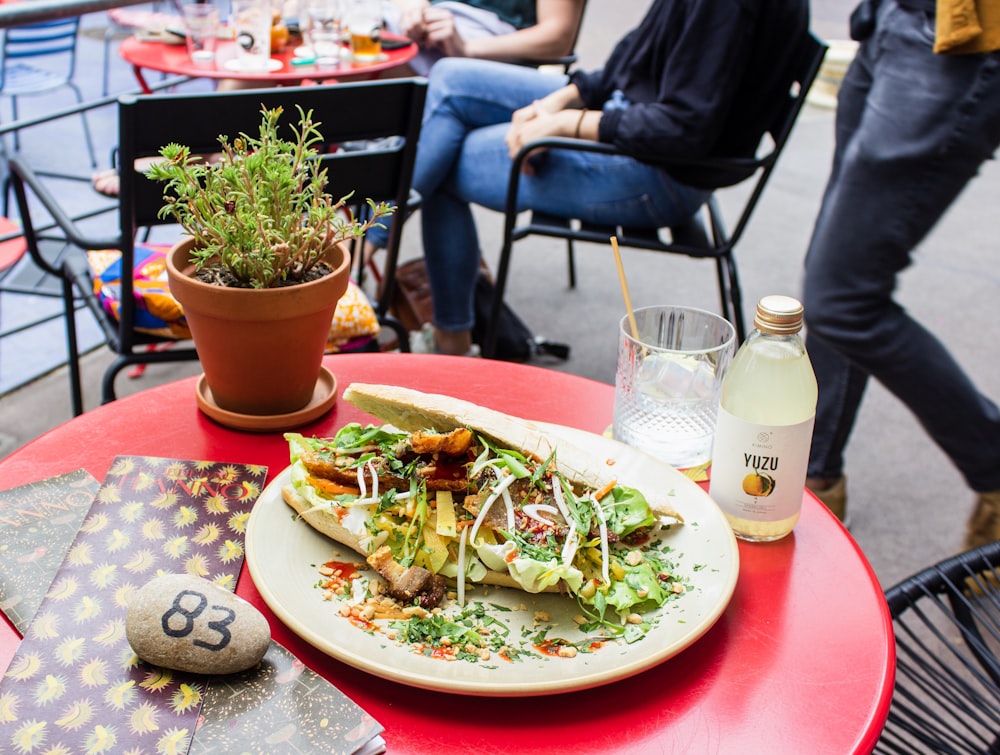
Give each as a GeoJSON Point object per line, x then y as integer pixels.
{"type": "Point", "coordinates": [570, 547]}
{"type": "Point", "coordinates": [557, 494]}
{"type": "Point", "coordinates": [534, 510]}
{"type": "Point", "coordinates": [510, 507]}
{"type": "Point", "coordinates": [602, 526]}
{"type": "Point", "coordinates": [498, 489]}
{"type": "Point", "coordinates": [362, 486]}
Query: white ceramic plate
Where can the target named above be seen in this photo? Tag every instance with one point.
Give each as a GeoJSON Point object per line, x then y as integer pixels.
{"type": "Point", "coordinates": [283, 554]}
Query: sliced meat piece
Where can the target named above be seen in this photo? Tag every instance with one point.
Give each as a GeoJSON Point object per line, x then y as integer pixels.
{"type": "Point", "coordinates": [437, 483]}
{"type": "Point", "coordinates": [456, 443]}
{"type": "Point", "coordinates": [325, 468]}
{"type": "Point", "coordinates": [407, 583]}
{"type": "Point", "coordinates": [496, 517]}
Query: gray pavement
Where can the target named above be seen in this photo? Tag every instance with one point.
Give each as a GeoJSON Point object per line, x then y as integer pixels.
{"type": "Point", "coordinates": [908, 504]}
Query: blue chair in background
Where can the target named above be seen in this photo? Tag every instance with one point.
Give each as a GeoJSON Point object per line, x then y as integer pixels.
{"type": "Point", "coordinates": [54, 41]}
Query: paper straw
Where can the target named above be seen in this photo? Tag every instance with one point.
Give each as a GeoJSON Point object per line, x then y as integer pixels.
{"type": "Point", "coordinates": [628, 299]}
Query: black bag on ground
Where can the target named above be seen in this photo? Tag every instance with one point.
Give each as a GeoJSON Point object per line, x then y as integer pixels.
{"type": "Point", "coordinates": [515, 341]}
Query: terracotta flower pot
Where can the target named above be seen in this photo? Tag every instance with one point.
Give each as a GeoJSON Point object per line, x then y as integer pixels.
{"type": "Point", "coordinates": [261, 349]}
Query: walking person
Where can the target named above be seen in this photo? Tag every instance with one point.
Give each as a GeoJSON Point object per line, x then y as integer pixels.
{"type": "Point", "coordinates": [918, 112]}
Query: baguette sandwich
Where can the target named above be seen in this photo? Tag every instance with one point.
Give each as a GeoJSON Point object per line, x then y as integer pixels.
{"type": "Point", "coordinates": [449, 493]}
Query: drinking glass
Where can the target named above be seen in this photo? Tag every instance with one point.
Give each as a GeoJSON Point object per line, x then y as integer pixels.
{"type": "Point", "coordinates": [252, 21]}
{"type": "Point", "coordinates": [668, 380]}
{"type": "Point", "coordinates": [201, 26]}
{"type": "Point", "coordinates": [363, 19]}
{"type": "Point", "coordinates": [321, 22]}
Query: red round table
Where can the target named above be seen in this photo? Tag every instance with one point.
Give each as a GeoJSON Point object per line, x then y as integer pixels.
{"type": "Point", "coordinates": [174, 59]}
{"type": "Point", "coordinates": [802, 660]}
{"type": "Point", "coordinates": [13, 246]}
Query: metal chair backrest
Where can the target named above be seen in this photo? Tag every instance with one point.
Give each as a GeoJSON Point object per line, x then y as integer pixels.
{"type": "Point", "coordinates": [384, 114]}
{"type": "Point", "coordinates": [387, 111]}
{"type": "Point", "coordinates": [41, 40]}
{"type": "Point", "coordinates": [804, 60]}
{"type": "Point", "coordinates": [567, 61]}
{"type": "Point", "coordinates": [946, 620]}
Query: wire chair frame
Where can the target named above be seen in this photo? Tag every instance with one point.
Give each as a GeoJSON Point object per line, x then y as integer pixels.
{"type": "Point", "coordinates": [18, 77]}
{"type": "Point", "coordinates": [690, 238]}
{"type": "Point", "coordinates": [947, 624]}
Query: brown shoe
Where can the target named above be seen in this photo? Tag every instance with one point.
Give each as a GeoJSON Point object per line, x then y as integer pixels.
{"type": "Point", "coordinates": [832, 494]}
{"type": "Point", "coordinates": [984, 524]}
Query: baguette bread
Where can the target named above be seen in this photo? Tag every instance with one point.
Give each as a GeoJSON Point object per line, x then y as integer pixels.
{"type": "Point", "coordinates": [413, 411]}
{"type": "Point", "coordinates": [326, 522]}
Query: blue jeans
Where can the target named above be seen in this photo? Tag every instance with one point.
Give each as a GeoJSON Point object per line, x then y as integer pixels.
{"type": "Point", "coordinates": [462, 160]}
{"type": "Point", "coordinates": [912, 130]}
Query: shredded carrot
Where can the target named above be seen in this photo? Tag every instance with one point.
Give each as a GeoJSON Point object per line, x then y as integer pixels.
{"type": "Point", "coordinates": [509, 558]}
{"type": "Point", "coordinates": [332, 488]}
{"type": "Point", "coordinates": [605, 490]}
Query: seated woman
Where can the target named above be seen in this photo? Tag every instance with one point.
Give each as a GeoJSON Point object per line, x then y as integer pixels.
{"type": "Point", "coordinates": [508, 30]}
{"type": "Point", "coordinates": [690, 81]}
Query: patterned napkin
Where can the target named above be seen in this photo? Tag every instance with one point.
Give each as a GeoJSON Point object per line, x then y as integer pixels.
{"type": "Point", "coordinates": [38, 522]}
{"type": "Point", "coordinates": [150, 515]}
{"type": "Point", "coordinates": [282, 706]}
{"type": "Point", "coordinates": [74, 684]}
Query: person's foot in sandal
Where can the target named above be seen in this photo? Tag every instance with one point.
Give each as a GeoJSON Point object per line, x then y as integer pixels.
{"type": "Point", "coordinates": [106, 182]}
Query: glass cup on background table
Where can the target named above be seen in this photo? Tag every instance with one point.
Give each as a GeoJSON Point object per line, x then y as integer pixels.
{"type": "Point", "coordinates": [363, 19]}
{"type": "Point", "coordinates": [201, 27]}
{"type": "Point", "coordinates": [668, 380]}
{"type": "Point", "coordinates": [251, 20]}
{"type": "Point", "coordinates": [322, 25]}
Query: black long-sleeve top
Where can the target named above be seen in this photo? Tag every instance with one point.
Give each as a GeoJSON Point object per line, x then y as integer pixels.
{"type": "Point", "coordinates": [698, 75]}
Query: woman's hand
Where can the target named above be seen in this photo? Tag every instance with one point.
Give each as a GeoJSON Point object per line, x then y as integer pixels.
{"type": "Point", "coordinates": [411, 19]}
{"type": "Point", "coordinates": [439, 26]}
{"type": "Point", "coordinates": [537, 121]}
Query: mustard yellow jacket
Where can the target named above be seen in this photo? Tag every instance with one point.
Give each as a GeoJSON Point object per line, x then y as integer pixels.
{"type": "Point", "coordinates": [967, 26]}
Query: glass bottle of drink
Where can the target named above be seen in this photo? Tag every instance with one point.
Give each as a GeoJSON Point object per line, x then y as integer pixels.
{"type": "Point", "coordinates": [766, 414]}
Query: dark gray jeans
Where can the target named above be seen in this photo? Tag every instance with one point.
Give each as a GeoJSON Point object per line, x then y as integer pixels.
{"type": "Point", "coordinates": [912, 129]}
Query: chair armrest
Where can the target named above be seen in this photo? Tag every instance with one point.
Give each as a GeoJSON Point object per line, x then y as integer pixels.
{"type": "Point", "coordinates": [565, 61]}
{"type": "Point", "coordinates": [23, 176]}
{"type": "Point", "coordinates": [586, 145]}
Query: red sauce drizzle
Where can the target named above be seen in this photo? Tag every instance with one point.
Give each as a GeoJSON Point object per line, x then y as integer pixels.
{"type": "Point", "coordinates": [549, 647]}
{"type": "Point", "coordinates": [445, 469]}
{"type": "Point", "coordinates": [347, 569]}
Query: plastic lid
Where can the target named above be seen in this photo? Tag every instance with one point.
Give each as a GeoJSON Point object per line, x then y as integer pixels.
{"type": "Point", "coordinates": [781, 315]}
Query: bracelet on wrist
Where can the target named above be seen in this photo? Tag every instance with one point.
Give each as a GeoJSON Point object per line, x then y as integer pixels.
{"type": "Point", "coordinates": [579, 124]}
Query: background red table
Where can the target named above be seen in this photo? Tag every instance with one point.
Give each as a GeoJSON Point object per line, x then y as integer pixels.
{"type": "Point", "coordinates": [802, 661]}
{"type": "Point", "coordinates": [174, 59]}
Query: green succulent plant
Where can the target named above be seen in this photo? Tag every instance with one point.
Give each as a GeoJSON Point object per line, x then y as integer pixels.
{"type": "Point", "coordinates": [258, 210]}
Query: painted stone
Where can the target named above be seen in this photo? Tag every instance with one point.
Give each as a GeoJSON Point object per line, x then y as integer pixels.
{"type": "Point", "coordinates": [187, 623]}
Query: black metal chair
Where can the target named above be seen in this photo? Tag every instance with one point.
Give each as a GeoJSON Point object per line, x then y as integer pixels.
{"type": "Point", "coordinates": [947, 624]}
{"type": "Point", "coordinates": [567, 61]}
{"type": "Point", "coordinates": [386, 114]}
{"type": "Point", "coordinates": [691, 239]}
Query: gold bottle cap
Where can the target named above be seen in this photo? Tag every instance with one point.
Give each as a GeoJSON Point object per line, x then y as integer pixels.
{"type": "Point", "coordinates": [780, 315]}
